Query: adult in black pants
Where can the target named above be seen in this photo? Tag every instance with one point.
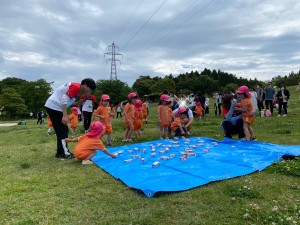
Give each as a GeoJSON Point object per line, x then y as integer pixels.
{"type": "Point", "coordinates": [233, 122]}
{"type": "Point", "coordinates": [56, 106]}
{"type": "Point", "coordinates": [282, 96]}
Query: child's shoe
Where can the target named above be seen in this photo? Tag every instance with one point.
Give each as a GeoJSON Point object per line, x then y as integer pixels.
{"type": "Point", "coordinates": [87, 162]}
{"type": "Point", "coordinates": [253, 139]}
{"type": "Point", "coordinates": [109, 143]}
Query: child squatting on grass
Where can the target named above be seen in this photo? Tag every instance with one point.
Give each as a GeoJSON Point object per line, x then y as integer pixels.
{"type": "Point", "coordinates": [178, 125]}
{"type": "Point", "coordinates": [247, 112]}
{"type": "Point", "coordinates": [88, 143]}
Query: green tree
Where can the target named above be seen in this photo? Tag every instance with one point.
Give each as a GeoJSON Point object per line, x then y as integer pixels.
{"type": "Point", "coordinates": [12, 103]}
{"type": "Point", "coordinates": [165, 84]}
{"type": "Point", "coordinates": [143, 85]}
{"type": "Point", "coordinates": [116, 89]}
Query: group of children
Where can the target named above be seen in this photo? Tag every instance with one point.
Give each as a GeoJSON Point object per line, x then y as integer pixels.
{"type": "Point", "coordinates": [133, 114]}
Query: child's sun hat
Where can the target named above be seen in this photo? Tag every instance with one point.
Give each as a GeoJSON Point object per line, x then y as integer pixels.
{"type": "Point", "coordinates": [244, 89]}
{"type": "Point", "coordinates": [74, 110]}
{"type": "Point", "coordinates": [165, 98]}
{"type": "Point", "coordinates": [105, 97]}
{"type": "Point", "coordinates": [138, 105]}
{"type": "Point", "coordinates": [96, 130]}
{"type": "Point", "coordinates": [132, 95]}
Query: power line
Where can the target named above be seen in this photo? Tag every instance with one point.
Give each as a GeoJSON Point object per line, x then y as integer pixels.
{"type": "Point", "coordinates": [164, 27]}
{"type": "Point", "coordinates": [176, 27]}
{"type": "Point", "coordinates": [133, 36]}
{"type": "Point", "coordinates": [130, 19]}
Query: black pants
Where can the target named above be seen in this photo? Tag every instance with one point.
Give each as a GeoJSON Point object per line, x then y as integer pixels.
{"type": "Point", "coordinates": [269, 105]}
{"type": "Point", "coordinates": [61, 130]}
{"type": "Point", "coordinates": [260, 105]}
{"type": "Point", "coordinates": [119, 113]}
{"type": "Point", "coordinates": [178, 131]}
{"type": "Point", "coordinates": [230, 129]}
{"type": "Point", "coordinates": [87, 118]}
{"type": "Point", "coordinates": [40, 120]}
{"type": "Point", "coordinates": [284, 105]}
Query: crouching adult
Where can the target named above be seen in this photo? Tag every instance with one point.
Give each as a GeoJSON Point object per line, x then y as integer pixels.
{"type": "Point", "coordinates": [233, 121]}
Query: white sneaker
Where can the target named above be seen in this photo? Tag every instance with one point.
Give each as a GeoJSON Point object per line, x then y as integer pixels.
{"type": "Point", "coordinates": [279, 115]}
{"type": "Point", "coordinates": [284, 115]}
{"type": "Point", "coordinates": [87, 162]}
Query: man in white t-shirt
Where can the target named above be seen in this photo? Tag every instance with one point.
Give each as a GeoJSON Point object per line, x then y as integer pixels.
{"type": "Point", "coordinates": [56, 107]}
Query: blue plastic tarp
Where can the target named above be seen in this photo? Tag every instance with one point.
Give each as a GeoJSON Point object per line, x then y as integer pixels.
{"type": "Point", "coordinates": [188, 163]}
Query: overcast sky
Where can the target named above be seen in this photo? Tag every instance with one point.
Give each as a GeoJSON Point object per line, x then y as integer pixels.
{"type": "Point", "coordinates": [64, 41]}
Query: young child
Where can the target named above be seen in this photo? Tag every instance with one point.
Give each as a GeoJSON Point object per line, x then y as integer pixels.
{"type": "Point", "coordinates": [137, 124]}
{"type": "Point", "coordinates": [199, 110]}
{"type": "Point", "coordinates": [164, 118]}
{"type": "Point", "coordinates": [129, 116]}
{"type": "Point", "coordinates": [73, 117]}
{"type": "Point", "coordinates": [247, 112]}
{"type": "Point", "coordinates": [103, 113]}
{"type": "Point", "coordinates": [145, 112]}
{"type": "Point", "coordinates": [178, 125]}
{"type": "Point", "coordinates": [50, 126]}
{"type": "Point", "coordinates": [88, 143]}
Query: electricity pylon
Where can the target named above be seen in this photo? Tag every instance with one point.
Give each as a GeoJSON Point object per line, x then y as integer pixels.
{"type": "Point", "coordinates": [113, 54]}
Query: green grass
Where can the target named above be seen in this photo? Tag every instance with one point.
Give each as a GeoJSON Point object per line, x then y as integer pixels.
{"type": "Point", "coordinates": [37, 189]}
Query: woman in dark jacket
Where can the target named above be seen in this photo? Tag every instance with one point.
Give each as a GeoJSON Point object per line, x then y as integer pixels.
{"type": "Point", "coordinates": [282, 96]}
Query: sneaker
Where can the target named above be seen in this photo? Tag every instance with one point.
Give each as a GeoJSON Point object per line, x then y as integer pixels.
{"type": "Point", "coordinates": [109, 143]}
{"type": "Point", "coordinates": [161, 139]}
{"type": "Point", "coordinates": [279, 115]}
{"type": "Point", "coordinates": [129, 140]}
{"type": "Point", "coordinates": [87, 162]}
{"type": "Point", "coordinates": [253, 139]}
{"type": "Point", "coordinates": [284, 115]}
{"type": "Point", "coordinates": [124, 140]}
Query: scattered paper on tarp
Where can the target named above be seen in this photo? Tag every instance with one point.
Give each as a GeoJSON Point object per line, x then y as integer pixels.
{"type": "Point", "coordinates": [182, 164]}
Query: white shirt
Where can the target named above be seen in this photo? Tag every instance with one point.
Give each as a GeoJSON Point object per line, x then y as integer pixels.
{"type": "Point", "coordinates": [59, 98]}
{"type": "Point", "coordinates": [190, 113]}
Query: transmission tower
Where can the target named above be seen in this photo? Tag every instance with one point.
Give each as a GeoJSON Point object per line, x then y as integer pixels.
{"type": "Point", "coordinates": [113, 58]}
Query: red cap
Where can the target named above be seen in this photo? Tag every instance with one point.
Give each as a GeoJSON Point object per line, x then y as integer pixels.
{"type": "Point", "coordinates": [244, 89]}
{"type": "Point", "coordinates": [96, 130]}
{"type": "Point", "coordinates": [165, 98]}
{"type": "Point", "coordinates": [132, 95]}
{"type": "Point", "coordinates": [138, 105]}
{"type": "Point", "coordinates": [74, 110]}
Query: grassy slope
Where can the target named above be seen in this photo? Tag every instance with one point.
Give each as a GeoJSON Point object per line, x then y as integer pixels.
{"type": "Point", "coordinates": [37, 189]}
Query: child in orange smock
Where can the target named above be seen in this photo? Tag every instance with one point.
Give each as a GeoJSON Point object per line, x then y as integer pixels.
{"type": "Point", "coordinates": [129, 116]}
{"type": "Point", "coordinates": [138, 115]}
{"type": "Point", "coordinates": [73, 117]}
{"type": "Point", "coordinates": [88, 143]}
{"type": "Point", "coordinates": [164, 118]}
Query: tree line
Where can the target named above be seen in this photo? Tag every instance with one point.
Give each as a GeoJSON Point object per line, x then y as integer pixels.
{"type": "Point", "coordinates": [19, 97]}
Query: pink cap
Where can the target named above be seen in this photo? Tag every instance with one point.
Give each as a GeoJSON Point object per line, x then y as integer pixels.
{"type": "Point", "coordinates": [138, 105]}
{"type": "Point", "coordinates": [74, 110]}
{"type": "Point", "coordinates": [132, 95]}
{"type": "Point", "coordinates": [105, 97]}
{"type": "Point", "coordinates": [181, 110]}
{"type": "Point", "coordinates": [244, 89]}
{"type": "Point", "coordinates": [96, 130]}
{"type": "Point", "coordinates": [165, 98]}
{"type": "Point", "coordinates": [198, 104]}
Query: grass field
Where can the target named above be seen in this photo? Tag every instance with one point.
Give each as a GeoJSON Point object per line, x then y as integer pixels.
{"type": "Point", "coordinates": [35, 188]}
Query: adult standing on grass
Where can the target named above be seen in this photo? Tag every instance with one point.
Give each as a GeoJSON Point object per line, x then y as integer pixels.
{"type": "Point", "coordinates": [260, 95]}
{"type": "Point", "coordinates": [270, 97]}
{"type": "Point", "coordinates": [298, 89]}
{"type": "Point", "coordinates": [56, 107]}
{"type": "Point", "coordinates": [87, 109]}
{"type": "Point", "coordinates": [283, 96]}
{"type": "Point", "coordinates": [233, 121]}
{"type": "Point", "coordinates": [40, 117]}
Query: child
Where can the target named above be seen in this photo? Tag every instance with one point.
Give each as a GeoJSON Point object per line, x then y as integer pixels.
{"type": "Point", "coordinates": [145, 112]}
{"type": "Point", "coordinates": [129, 116]}
{"type": "Point", "coordinates": [73, 117]}
{"type": "Point", "coordinates": [164, 118]}
{"type": "Point", "coordinates": [199, 110]}
{"type": "Point", "coordinates": [178, 125]}
{"type": "Point", "coordinates": [247, 112]}
{"type": "Point", "coordinates": [88, 143]}
{"type": "Point", "coordinates": [50, 125]}
{"type": "Point", "coordinates": [137, 124]}
{"type": "Point", "coordinates": [103, 112]}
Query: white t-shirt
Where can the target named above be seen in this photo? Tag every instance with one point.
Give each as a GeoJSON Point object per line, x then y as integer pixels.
{"type": "Point", "coordinates": [64, 94]}
{"type": "Point", "coordinates": [190, 113]}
